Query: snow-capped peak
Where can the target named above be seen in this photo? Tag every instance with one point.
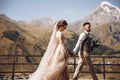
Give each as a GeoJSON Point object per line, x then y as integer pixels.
{"type": "Point", "coordinates": [104, 3]}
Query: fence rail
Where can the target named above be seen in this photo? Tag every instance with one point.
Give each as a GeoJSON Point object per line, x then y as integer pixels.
{"type": "Point", "coordinates": [103, 64]}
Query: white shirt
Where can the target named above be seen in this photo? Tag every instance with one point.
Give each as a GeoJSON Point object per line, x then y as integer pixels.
{"type": "Point", "coordinates": [79, 42]}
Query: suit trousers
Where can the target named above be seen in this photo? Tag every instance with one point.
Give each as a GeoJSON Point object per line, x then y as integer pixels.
{"type": "Point", "coordinates": [85, 59]}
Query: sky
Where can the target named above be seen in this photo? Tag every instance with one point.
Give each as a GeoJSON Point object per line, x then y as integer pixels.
{"type": "Point", "coordinates": [70, 10]}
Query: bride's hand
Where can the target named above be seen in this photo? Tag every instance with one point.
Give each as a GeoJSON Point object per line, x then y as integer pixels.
{"type": "Point", "coordinates": [71, 53]}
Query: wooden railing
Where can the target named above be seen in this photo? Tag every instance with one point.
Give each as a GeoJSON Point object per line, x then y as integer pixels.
{"type": "Point", "coordinates": [74, 64]}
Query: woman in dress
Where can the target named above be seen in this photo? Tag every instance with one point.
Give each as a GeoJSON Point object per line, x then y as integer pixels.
{"type": "Point", "coordinates": [53, 65]}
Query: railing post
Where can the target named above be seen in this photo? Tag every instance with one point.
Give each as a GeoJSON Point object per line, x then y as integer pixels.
{"type": "Point", "coordinates": [104, 68]}
{"type": "Point", "coordinates": [14, 62]}
{"type": "Point", "coordinates": [13, 67]}
{"type": "Point", "coordinates": [74, 63]}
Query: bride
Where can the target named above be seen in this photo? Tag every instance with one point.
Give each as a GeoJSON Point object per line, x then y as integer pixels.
{"type": "Point", "coordinates": [53, 65]}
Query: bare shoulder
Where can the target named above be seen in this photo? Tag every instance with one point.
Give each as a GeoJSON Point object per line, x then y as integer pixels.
{"type": "Point", "coordinates": [59, 34]}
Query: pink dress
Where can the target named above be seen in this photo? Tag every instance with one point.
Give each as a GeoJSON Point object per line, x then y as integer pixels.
{"type": "Point", "coordinates": [53, 67]}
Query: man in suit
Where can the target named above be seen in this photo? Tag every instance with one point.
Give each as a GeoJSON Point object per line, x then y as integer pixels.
{"type": "Point", "coordinates": [83, 47]}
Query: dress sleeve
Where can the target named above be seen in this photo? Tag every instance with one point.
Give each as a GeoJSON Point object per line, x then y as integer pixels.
{"type": "Point", "coordinates": [61, 40]}
{"type": "Point", "coordinates": [60, 37]}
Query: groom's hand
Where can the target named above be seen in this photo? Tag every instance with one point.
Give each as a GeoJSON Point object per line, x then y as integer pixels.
{"type": "Point", "coordinates": [74, 52]}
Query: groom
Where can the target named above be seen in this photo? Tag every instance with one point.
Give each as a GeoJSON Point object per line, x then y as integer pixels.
{"type": "Point", "coordinates": [83, 47]}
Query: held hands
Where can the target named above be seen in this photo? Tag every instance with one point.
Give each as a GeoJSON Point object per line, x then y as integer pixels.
{"type": "Point", "coordinates": [70, 53]}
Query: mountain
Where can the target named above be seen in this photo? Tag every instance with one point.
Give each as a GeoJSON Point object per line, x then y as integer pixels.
{"type": "Point", "coordinates": [11, 35]}
{"type": "Point", "coordinates": [3, 16]}
{"type": "Point", "coordinates": [15, 40]}
{"type": "Point", "coordinates": [19, 38]}
{"type": "Point", "coordinates": [44, 22]}
{"type": "Point", "coordinates": [105, 20]}
{"type": "Point", "coordinates": [31, 38]}
{"type": "Point", "coordinates": [104, 13]}
{"type": "Point", "coordinates": [25, 36]}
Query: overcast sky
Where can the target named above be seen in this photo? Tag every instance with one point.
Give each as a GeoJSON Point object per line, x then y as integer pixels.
{"type": "Point", "coordinates": [71, 10]}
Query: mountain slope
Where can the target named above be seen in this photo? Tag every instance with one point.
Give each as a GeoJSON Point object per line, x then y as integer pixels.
{"type": "Point", "coordinates": [104, 13]}
{"type": "Point", "coordinates": [105, 20]}
{"type": "Point", "coordinates": [25, 39]}
{"type": "Point", "coordinates": [44, 22]}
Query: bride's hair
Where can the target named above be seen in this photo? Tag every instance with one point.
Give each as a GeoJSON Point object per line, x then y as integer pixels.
{"type": "Point", "coordinates": [62, 23]}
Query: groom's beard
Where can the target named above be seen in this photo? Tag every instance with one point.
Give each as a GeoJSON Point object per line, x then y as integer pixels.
{"type": "Point", "coordinates": [88, 30]}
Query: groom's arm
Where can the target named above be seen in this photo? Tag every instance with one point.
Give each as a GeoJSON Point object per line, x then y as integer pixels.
{"type": "Point", "coordinates": [79, 42]}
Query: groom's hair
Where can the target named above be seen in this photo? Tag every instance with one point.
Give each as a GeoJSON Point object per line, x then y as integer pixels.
{"type": "Point", "coordinates": [86, 23]}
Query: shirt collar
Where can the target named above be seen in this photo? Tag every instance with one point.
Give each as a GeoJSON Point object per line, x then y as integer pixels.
{"type": "Point", "coordinates": [86, 32]}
